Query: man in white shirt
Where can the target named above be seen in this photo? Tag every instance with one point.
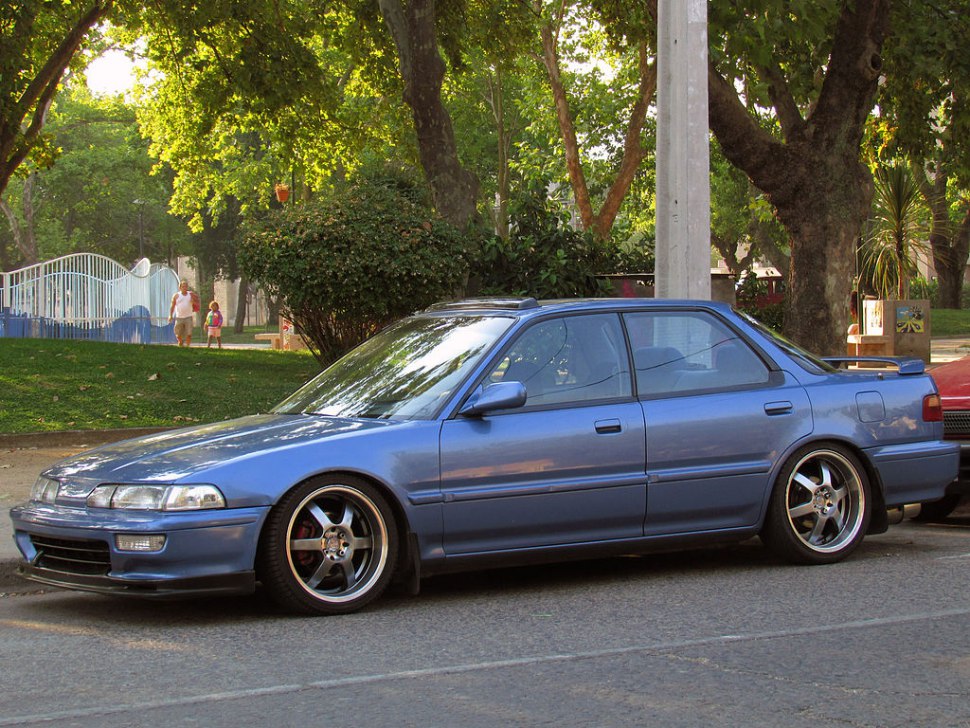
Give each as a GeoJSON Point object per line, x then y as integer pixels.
{"type": "Point", "coordinates": [183, 313]}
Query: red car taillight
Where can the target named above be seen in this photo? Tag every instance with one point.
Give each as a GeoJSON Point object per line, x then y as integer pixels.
{"type": "Point", "coordinates": [932, 408]}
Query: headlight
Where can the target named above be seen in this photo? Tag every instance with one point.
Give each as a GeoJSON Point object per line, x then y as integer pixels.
{"type": "Point", "coordinates": [44, 490]}
{"type": "Point", "coordinates": [157, 497]}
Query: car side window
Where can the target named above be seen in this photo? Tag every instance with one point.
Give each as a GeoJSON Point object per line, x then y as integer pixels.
{"type": "Point", "coordinates": [568, 360]}
{"type": "Point", "coordinates": [676, 352]}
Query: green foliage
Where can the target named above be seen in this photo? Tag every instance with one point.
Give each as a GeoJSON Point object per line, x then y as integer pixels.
{"type": "Point", "coordinates": [896, 233]}
{"type": "Point", "coordinates": [751, 296]}
{"type": "Point", "coordinates": [793, 37]}
{"type": "Point", "coordinates": [39, 40]}
{"type": "Point", "coordinates": [101, 197]}
{"type": "Point", "coordinates": [919, 287]}
{"type": "Point", "coordinates": [52, 385]}
{"type": "Point", "coordinates": [348, 264]}
{"type": "Point", "coordinates": [545, 258]}
{"type": "Point", "coordinates": [251, 95]}
{"type": "Point", "coordinates": [923, 113]}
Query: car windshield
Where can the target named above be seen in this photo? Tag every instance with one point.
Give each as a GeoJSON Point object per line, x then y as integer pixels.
{"type": "Point", "coordinates": [806, 359]}
{"type": "Point", "coordinates": [408, 371]}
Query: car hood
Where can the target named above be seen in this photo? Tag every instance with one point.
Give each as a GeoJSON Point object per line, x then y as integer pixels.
{"type": "Point", "coordinates": [181, 454]}
{"type": "Point", "coordinates": [953, 381]}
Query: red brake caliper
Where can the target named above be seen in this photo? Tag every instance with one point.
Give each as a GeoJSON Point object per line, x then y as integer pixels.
{"type": "Point", "coordinates": [304, 529]}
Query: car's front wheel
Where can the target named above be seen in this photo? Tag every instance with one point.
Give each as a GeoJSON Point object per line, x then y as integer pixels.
{"type": "Point", "coordinates": [820, 506]}
{"type": "Point", "coordinates": [329, 546]}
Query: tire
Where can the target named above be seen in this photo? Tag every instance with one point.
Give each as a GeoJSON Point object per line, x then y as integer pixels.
{"type": "Point", "coordinates": [820, 506]}
{"type": "Point", "coordinates": [328, 547]}
{"type": "Point", "coordinates": [937, 510]}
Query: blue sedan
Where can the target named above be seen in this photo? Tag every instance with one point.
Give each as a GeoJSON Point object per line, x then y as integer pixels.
{"type": "Point", "coordinates": [495, 432]}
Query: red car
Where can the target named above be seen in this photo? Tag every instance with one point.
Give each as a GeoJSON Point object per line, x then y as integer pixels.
{"type": "Point", "coordinates": [953, 381]}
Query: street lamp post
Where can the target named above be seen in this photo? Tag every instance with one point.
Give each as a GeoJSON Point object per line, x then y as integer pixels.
{"type": "Point", "coordinates": [141, 227]}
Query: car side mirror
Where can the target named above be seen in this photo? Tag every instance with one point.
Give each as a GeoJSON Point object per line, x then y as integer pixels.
{"type": "Point", "coordinates": [497, 396]}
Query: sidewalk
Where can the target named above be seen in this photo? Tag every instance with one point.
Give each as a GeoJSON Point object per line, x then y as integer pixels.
{"type": "Point", "coordinates": [947, 350]}
{"type": "Point", "coordinates": [23, 457]}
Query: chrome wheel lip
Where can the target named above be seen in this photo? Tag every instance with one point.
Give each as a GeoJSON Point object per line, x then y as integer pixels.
{"type": "Point", "coordinates": [836, 501]}
{"type": "Point", "coordinates": [369, 569]}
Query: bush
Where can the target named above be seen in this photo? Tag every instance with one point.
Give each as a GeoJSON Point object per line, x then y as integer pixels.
{"type": "Point", "coordinates": [347, 264]}
{"type": "Point", "coordinates": [919, 287]}
{"type": "Point", "coordinates": [545, 258]}
{"type": "Point", "coordinates": [752, 298]}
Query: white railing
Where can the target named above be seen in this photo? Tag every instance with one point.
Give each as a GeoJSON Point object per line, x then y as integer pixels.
{"type": "Point", "coordinates": [88, 296]}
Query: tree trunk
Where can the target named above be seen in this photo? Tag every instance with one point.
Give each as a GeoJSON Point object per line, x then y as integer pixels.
{"type": "Point", "coordinates": [764, 240]}
{"type": "Point", "coordinates": [824, 222]}
{"type": "Point", "coordinates": [242, 298]}
{"type": "Point", "coordinates": [813, 176]}
{"type": "Point", "coordinates": [24, 234]}
{"type": "Point", "coordinates": [950, 244]}
{"type": "Point", "coordinates": [600, 223]}
{"type": "Point", "coordinates": [728, 249]}
{"type": "Point", "coordinates": [453, 188]}
{"type": "Point", "coordinates": [951, 262]}
{"type": "Point", "coordinates": [23, 113]}
{"type": "Point", "coordinates": [496, 91]}
{"type": "Point", "coordinates": [567, 130]}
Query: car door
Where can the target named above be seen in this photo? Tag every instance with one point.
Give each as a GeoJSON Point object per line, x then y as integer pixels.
{"type": "Point", "coordinates": [717, 417]}
{"type": "Point", "coordinates": [565, 468]}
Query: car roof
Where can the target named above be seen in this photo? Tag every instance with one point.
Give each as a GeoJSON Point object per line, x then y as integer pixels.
{"type": "Point", "coordinates": [528, 307]}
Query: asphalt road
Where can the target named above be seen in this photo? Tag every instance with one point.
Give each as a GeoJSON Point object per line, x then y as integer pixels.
{"type": "Point", "coordinates": [724, 637]}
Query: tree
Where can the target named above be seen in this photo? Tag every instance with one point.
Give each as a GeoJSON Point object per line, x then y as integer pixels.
{"type": "Point", "coordinates": [924, 118]}
{"type": "Point", "coordinates": [349, 263]}
{"type": "Point", "coordinates": [816, 68]}
{"type": "Point", "coordinates": [39, 43]}
{"type": "Point", "coordinates": [100, 196]}
{"type": "Point", "coordinates": [412, 25]}
{"type": "Point", "coordinates": [895, 233]}
{"type": "Point", "coordinates": [949, 233]}
{"type": "Point", "coordinates": [22, 226]}
{"type": "Point", "coordinates": [632, 150]}
{"type": "Point", "coordinates": [743, 225]}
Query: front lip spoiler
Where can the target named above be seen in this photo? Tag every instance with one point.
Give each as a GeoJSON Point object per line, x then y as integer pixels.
{"type": "Point", "coordinates": [221, 584]}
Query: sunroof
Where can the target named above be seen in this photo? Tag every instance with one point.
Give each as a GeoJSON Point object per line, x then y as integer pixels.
{"type": "Point", "coordinates": [503, 304]}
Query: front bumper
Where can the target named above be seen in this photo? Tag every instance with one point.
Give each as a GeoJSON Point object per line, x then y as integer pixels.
{"type": "Point", "coordinates": [205, 552]}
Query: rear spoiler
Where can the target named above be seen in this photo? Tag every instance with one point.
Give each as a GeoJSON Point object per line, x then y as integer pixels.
{"type": "Point", "coordinates": [905, 366]}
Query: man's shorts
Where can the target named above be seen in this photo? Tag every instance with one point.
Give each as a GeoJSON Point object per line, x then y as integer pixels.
{"type": "Point", "coordinates": [183, 327]}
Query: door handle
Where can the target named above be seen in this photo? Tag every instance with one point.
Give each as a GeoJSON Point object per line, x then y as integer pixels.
{"type": "Point", "coordinates": [604, 427]}
{"type": "Point", "coordinates": [778, 408]}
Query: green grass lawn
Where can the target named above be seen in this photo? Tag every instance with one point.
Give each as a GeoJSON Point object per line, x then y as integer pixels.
{"type": "Point", "coordinates": [230, 337]}
{"type": "Point", "coordinates": [50, 385]}
{"type": "Point", "coordinates": [949, 323]}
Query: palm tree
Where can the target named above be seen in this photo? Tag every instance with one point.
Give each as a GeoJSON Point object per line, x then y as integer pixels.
{"type": "Point", "coordinates": [897, 232]}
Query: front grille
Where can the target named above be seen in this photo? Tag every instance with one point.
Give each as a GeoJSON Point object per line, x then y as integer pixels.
{"type": "Point", "coordinates": [956, 423]}
{"type": "Point", "coordinates": [70, 556]}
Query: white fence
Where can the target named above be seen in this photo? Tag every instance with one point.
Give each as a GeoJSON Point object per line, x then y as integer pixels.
{"type": "Point", "coordinates": [88, 296]}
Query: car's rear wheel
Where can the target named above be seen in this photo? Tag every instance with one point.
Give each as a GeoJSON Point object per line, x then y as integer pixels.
{"type": "Point", "coordinates": [329, 546]}
{"type": "Point", "coordinates": [937, 510]}
{"type": "Point", "coordinates": [820, 506]}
